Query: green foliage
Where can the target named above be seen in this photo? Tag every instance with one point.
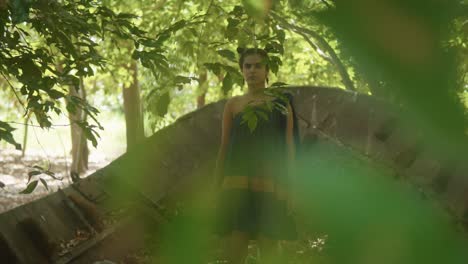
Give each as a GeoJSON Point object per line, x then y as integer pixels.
{"type": "Point", "coordinates": [252, 114]}
{"type": "Point", "coordinates": [30, 188]}
{"type": "Point", "coordinates": [38, 170]}
{"type": "Point", "coordinates": [48, 46]}
{"type": "Point", "coordinates": [97, 41]}
{"type": "Point", "coordinates": [406, 59]}
{"type": "Point", "coordinates": [5, 134]}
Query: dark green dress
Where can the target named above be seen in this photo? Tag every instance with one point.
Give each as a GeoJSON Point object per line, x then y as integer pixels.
{"type": "Point", "coordinates": [255, 184]}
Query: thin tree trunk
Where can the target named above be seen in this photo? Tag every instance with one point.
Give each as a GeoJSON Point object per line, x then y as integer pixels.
{"type": "Point", "coordinates": [202, 88]}
{"type": "Point", "coordinates": [133, 110]}
{"type": "Point", "coordinates": [25, 136]}
{"type": "Point", "coordinates": [80, 151]}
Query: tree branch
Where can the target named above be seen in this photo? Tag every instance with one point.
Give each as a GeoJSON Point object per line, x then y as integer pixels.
{"type": "Point", "coordinates": [322, 43]}
{"type": "Point", "coordinates": [31, 125]}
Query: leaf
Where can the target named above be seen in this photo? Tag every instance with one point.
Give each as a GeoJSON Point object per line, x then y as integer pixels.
{"type": "Point", "coordinates": [126, 16]}
{"type": "Point", "coordinates": [182, 79]}
{"type": "Point", "coordinates": [214, 67]}
{"type": "Point", "coordinates": [50, 173]}
{"type": "Point", "coordinates": [281, 35]}
{"type": "Point", "coordinates": [230, 55]}
{"type": "Point", "coordinates": [38, 167]}
{"type": "Point", "coordinates": [30, 188]}
{"type": "Point", "coordinates": [32, 174]}
{"type": "Point", "coordinates": [232, 23]}
{"type": "Point", "coordinates": [178, 25]}
{"type": "Point", "coordinates": [278, 84]}
{"type": "Point", "coordinates": [262, 114]}
{"type": "Point", "coordinates": [274, 47]}
{"type": "Point", "coordinates": [227, 83]}
{"type": "Point", "coordinates": [252, 122]}
{"type": "Point", "coordinates": [162, 104]}
{"type": "Point", "coordinates": [31, 73]}
{"type": "Point", "coordinates": [238, 11]}
{"type": "Point", "coordinates": [4, 126]}
{"type": "Point", "coordinates": [163, 37]}
{"type": "Point", "coordinates": [54, 94]}
{"type": "Point", "coordinates": [5, 134]}
{"type": "Point", "coordinates": [44, 183]}
{"type": "Point", "coordinates": [151, 42]}
{"type": "Point", "coordinates": [90, 136]}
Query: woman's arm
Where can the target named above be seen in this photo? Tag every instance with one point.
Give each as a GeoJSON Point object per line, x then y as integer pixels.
{"type": "Point", "coordinates": [225, 133]}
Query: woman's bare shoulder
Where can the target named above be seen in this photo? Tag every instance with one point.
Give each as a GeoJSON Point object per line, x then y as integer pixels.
{"type": "Point", "coordinates": [235, 101]}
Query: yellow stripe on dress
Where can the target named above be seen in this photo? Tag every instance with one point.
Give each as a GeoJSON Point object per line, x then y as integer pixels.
{"type": "Point", "coordinates": [257, 184]}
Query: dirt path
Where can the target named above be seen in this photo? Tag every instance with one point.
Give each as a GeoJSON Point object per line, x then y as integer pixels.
{"type": "Point", "coordinates": [14, 175]}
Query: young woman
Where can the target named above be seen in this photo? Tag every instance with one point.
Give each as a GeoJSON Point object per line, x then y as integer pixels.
{"type": "Point", "coordinates": [252, 167]}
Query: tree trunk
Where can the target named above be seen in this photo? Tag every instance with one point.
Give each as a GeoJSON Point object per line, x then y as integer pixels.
{"type": "Point", "coordinates": [80, 151]}
{"type": "Point", "coordinates": [202, 87]}
{"type": "Point", "coordinates": [133, 110]}
{"type": "Point", "coordinates": [25, 136]}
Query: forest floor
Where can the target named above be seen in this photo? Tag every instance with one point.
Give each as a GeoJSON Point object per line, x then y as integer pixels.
{"type": "Point", "coordinates": [14, 171]}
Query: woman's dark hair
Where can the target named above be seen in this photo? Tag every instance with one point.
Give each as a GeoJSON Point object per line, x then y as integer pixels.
{"type": "Point", "coordinates": [243, 52]}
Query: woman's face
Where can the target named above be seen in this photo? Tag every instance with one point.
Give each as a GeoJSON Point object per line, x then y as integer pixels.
{"type": "Point", "coordinates": [254, 70]}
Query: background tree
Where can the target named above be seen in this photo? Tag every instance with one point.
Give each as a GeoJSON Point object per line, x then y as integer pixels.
{"type": "Point", "coordinates": [174, 56]}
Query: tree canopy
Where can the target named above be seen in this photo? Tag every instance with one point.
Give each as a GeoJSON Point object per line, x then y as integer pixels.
{"type": "Point", "coordinates": [404, 52]}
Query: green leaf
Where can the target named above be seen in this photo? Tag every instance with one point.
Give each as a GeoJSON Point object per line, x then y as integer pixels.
{"type": "Point", "coordinates": [274, 47]}
{"type": "Point", "coordinates": [182, 79]}
{"type": "Point", "coordinates": [281, 35]}
{"type": "Point", "coordinates": [178, 25]}
{"type": "Point", "coordinates": [38, 167]}
{"type": "Point", "coordinates": [4, 126]}
{"type": "Point", "coordinates": [227, 83]}
{"type": "Point", "coordinates": [238, 11]}
{"type": "Point", "coordinates": [31, 73]}
{"type": "Point", "coordinates": [44, 183]}
{"type": "Point", "coordinates": [228, 54]}
{"type": "Point", "coordinates": [153, 43]}
{"type": "Point", "coordinates": [278, 84]}
{"type": "Point", "coordinates": [252, 122]}
{"type": "Point", "coordinates": [90, 136]}
{"type": "Point", "coordinates": [126, 16]}
{"type": "Point", "coordinates": [5, 134]}
{"type": "Point", "coordinates": [54, 94]}
{"type": "Point", "coordinates": [232, 22]}
{"type": "Point", "coordinates": [214, 67]}
{"type": "Point", "coordinates": [262, 114]}
{"type": "Point", "coordinates": [162, 104]}
{"type": "Point", "coordinates": [163, 37]}
{"type": "Point", "coordinates": [30, 188]}
{"type": "Point", "coordinates": [32, 174]}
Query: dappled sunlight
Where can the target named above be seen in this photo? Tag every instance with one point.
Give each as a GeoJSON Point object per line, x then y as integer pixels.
{"type": "Point", "coordinates": [14, 171]}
